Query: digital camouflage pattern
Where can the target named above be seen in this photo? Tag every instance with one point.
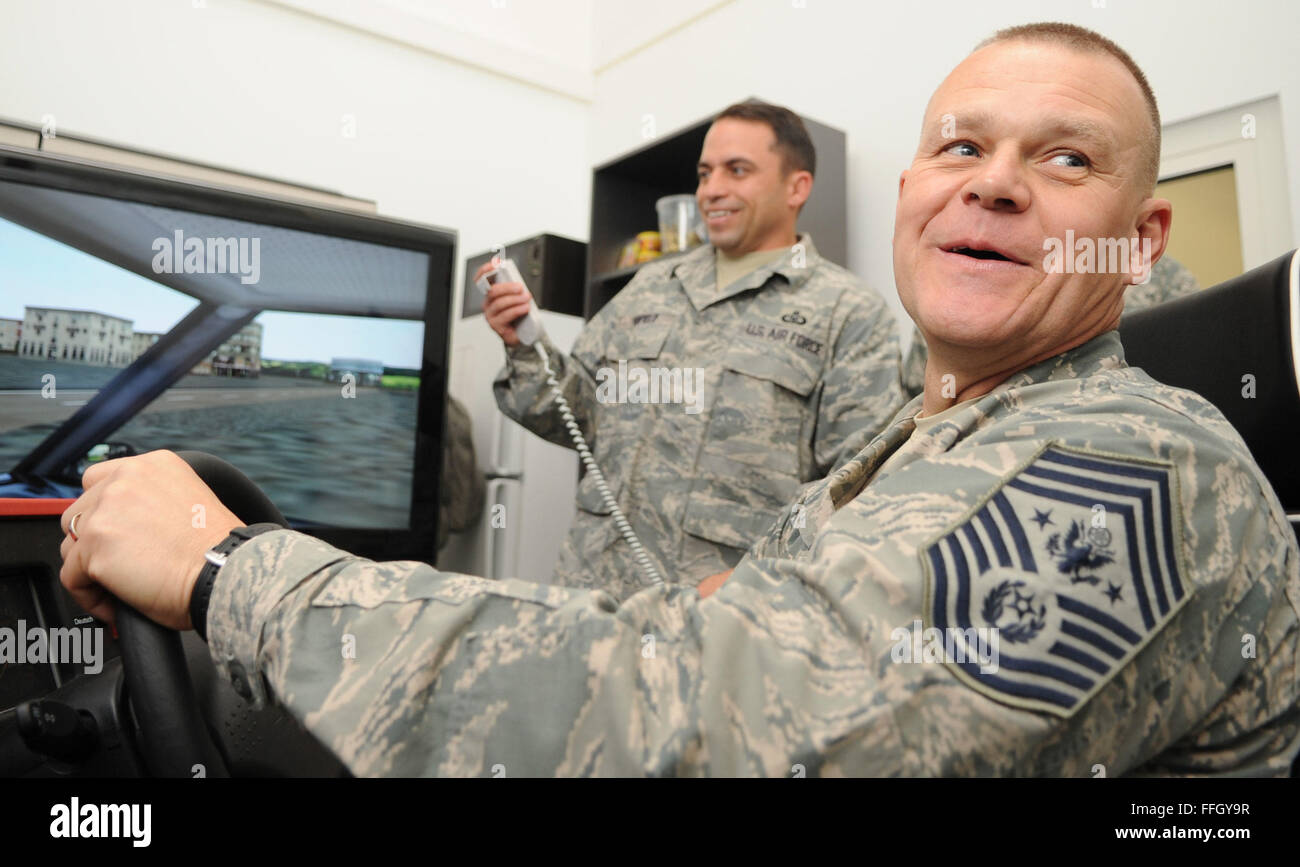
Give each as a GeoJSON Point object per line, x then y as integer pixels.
{"type": "Point", "coordinates": [463, 488]}
{"type": "Point", "coordinates": [1169, 280]}
{"type": "Point", "coordinates": [795, 357]}
{"type": "Point", "coordinates": [790, 666]}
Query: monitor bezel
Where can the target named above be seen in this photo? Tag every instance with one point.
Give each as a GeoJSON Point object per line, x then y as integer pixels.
{"type": "Point", "coordinates": [419, 540]}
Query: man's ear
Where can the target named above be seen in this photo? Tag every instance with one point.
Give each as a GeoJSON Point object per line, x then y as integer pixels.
{"type": "Point", "coordinates": [801, 183]}
{"type": "Point", "coordinates": [1154, 220]}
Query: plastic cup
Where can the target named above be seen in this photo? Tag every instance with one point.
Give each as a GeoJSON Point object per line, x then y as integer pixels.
{"type": "Point", "coordinates": [680, 227]}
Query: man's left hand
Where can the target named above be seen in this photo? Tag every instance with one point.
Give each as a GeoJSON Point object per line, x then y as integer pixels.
{"type": "Point", "coordinates": [143, 526]}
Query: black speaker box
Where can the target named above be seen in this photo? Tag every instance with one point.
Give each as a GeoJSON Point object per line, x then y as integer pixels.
{"type": "Point", "coordinates": [553, 267]}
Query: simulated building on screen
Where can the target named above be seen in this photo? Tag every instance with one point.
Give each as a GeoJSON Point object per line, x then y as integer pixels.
{"type": "Point", "coordinates": [240, 355]}
{"type": "Point", "coordinates": [104, 340]}
{"type": "Point", "coordinates": [87, 336]}
{"type": "Point", "coordinates": [367, 371]}
{"type": "Point", "coordinates": [9, 331]}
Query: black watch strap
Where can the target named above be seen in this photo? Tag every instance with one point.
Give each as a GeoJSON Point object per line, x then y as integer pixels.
{"type": "Point", "coordinates": [214, 559]}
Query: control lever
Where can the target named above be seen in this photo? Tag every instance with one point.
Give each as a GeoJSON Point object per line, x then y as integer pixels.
{"type": "Point", "coordinates": [57, 730]}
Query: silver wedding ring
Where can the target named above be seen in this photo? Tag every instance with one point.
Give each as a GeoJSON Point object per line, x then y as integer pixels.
{"type": "Point", "coordinates": [72, 526]}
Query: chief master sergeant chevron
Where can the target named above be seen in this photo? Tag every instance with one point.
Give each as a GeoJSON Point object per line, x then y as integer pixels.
{"type": "Point", "coordinates": [1115, 530]}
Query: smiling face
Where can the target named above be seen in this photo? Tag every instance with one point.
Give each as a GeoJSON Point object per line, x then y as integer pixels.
{"type": "Point", "coordinates": [1023, 142]}
{"type": "Point", "coordinates": [747, 198]}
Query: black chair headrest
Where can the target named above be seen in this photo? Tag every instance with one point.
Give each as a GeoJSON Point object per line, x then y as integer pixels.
{"type": "Point", "coordinates": [1237, 345]}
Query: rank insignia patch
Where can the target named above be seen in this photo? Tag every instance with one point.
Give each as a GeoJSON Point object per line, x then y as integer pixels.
{"type": "Point", "coordinates": [1072, 565]}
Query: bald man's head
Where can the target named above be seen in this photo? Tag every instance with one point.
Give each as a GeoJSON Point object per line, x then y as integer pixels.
{"type": "Point", "coordinates": [1087, 41]}
{"type": "Point", "coordinates": [1032, 142]}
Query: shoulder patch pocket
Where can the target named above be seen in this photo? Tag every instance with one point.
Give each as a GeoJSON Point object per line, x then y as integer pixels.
{"type": "Point", "coordinates": [638, 336]}
{"type": "Point", "coordinates": [648, 340]}
{"type": "Point", "coordinates": [1058, 577]}
{"type": "Point", "coordinates": [795, 374]}
{"type": "Point", "coordinates": [725, 522]}
{"type": "Point", "coordinates": [763, 411]}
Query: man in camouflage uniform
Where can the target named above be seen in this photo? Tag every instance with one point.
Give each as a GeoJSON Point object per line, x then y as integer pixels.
{"type": "Point", "coordinates": [1110, 578]}
{"type": "Point", "coordinates": [788, 354]}
{"type": "Point", "coordinates": [1170, 279]}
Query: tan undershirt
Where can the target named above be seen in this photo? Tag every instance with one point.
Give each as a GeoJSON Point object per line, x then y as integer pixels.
{"type": "Point", "coordinates": [925, 422]}
{"type": "Point", "coordinates": [730, 270]}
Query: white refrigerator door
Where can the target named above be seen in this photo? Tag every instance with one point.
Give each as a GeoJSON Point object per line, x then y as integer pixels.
{"type": "Point", "coordinates": [531, 483]}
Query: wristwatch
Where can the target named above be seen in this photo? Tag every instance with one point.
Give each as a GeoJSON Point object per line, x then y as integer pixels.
{"type": "Point", "coordinates": [216, 558]}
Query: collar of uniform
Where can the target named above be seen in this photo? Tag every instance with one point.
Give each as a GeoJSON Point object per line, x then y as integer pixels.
{"type": "Point", "coordinates": [1103, 352]}
{"type": "Point", "coordinates": [698, 274]}
{"type": "Point", "coordinates": [849, 479]}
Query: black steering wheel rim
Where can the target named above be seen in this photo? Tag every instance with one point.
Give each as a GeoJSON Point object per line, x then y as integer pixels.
{"type": "Point", "coordinates": [171, 734]}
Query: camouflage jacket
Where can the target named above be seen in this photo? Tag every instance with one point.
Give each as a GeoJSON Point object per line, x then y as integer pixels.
{"type": "Point", "coordinates": [777, 370]}
{"type": "Point", "coordinates": [1169, 280]}
{"type": "Point", "coordinates": [1115, 530]}
{"type": "Point", "coordinates": [463, 489]}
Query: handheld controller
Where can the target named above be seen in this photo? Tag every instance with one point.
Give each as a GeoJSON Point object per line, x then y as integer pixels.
{"type": "Point", "coordinates": [528, 330]}
{"type": "Point", "coordinates": [526, 327]}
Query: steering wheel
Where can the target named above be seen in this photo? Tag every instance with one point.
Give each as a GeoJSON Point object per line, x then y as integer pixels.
{"type": "Point", "coordinates": [173, 738]}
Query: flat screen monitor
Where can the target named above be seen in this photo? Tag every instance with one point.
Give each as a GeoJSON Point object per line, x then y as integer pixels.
{"type": "Point", "coordinates": [305, 345]}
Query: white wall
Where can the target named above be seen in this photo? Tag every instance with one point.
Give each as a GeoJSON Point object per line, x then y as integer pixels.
{"type": "Point", "coordinates": [869, 68]}
{"type": "Point", "coordinates": [263, 88]}
{"type": "Point", "coordinates": [621, 27]}
{"type": "Point", "coordinates": [542, 42]}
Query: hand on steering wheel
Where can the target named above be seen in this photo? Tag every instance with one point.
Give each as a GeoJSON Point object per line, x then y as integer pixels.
{"type": "Point", "coordinates": [173, 737]}
{"type": "Point", "coordinates": [142, 527]}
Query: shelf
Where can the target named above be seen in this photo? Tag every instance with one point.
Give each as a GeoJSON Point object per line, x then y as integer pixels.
{"type": "Point", "coordinates": [626, 274]}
